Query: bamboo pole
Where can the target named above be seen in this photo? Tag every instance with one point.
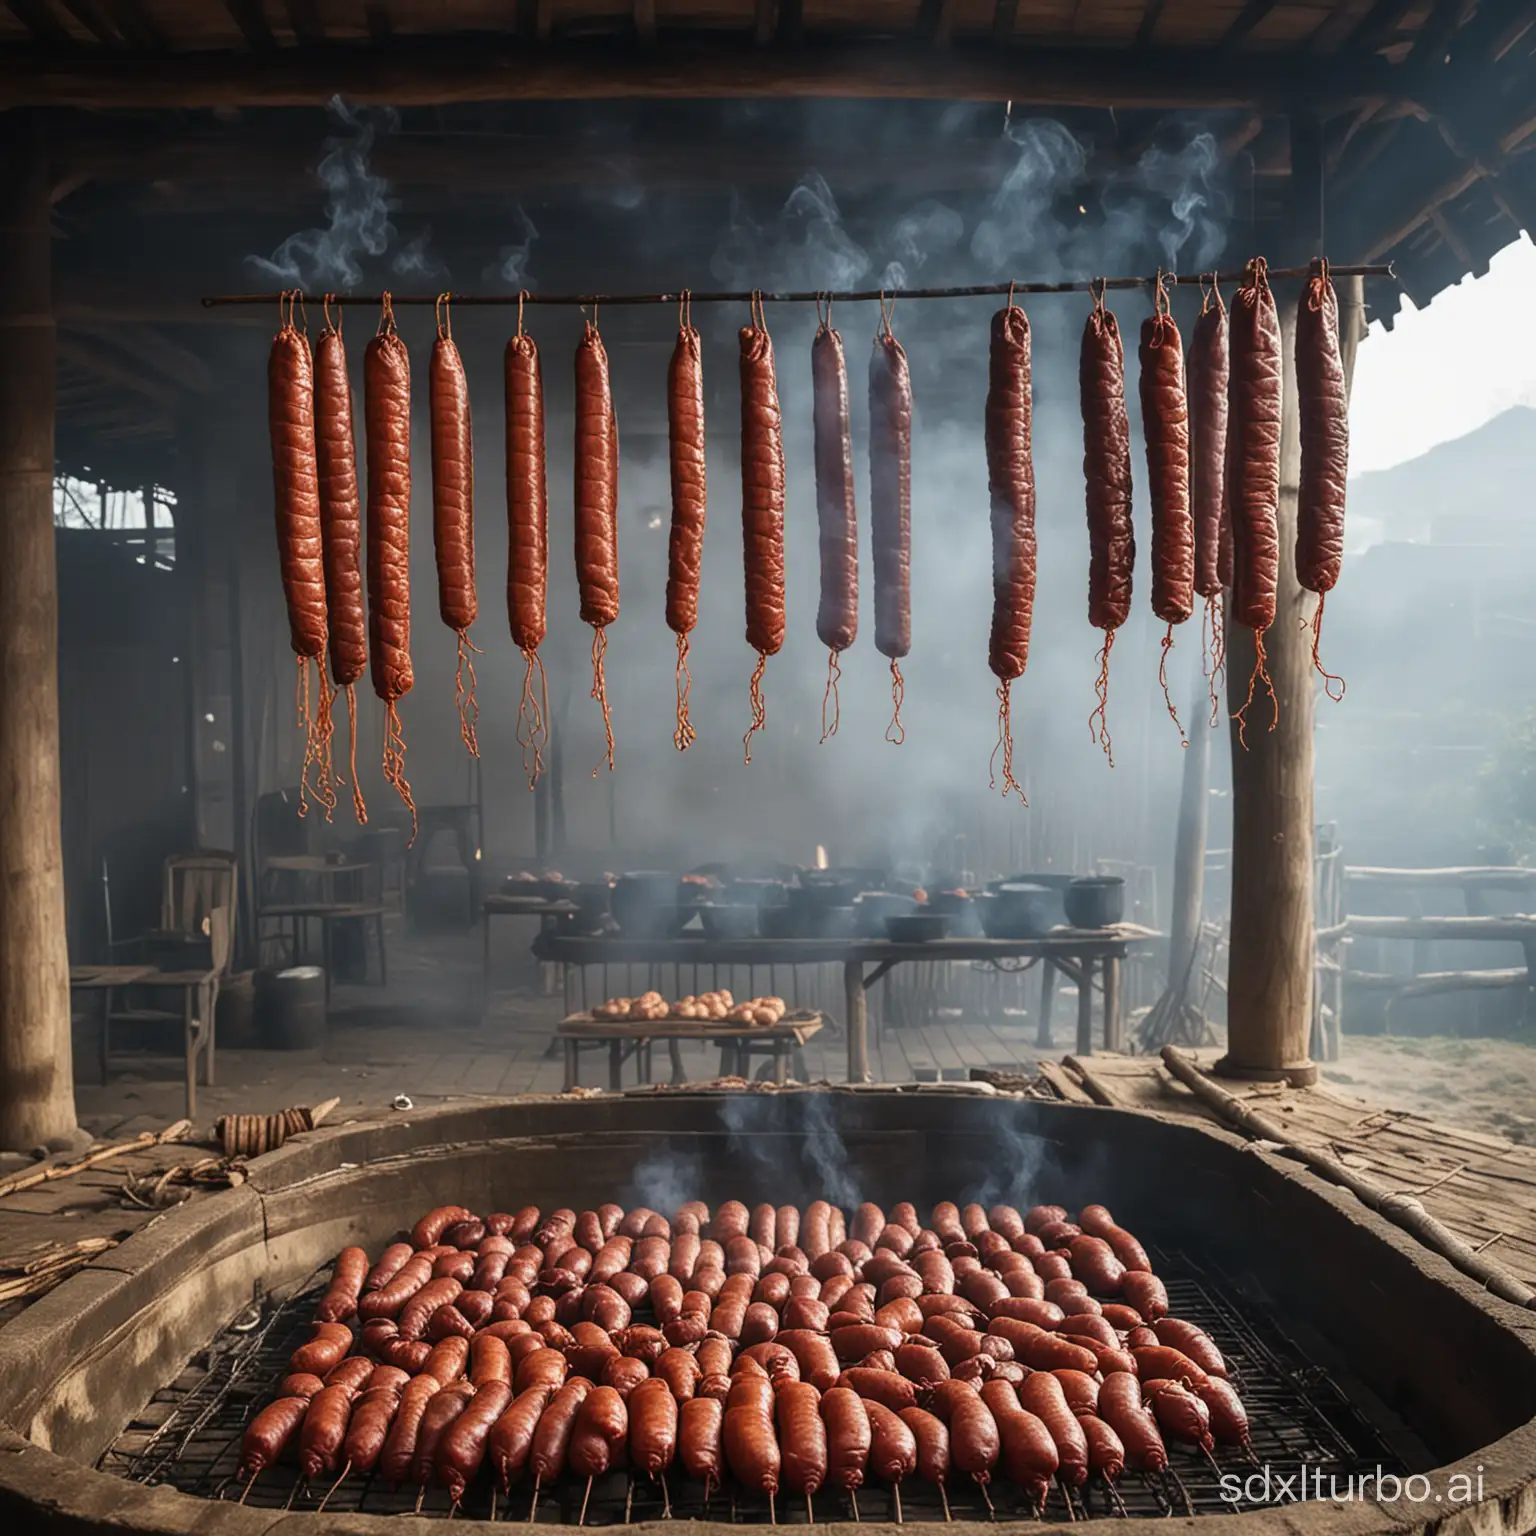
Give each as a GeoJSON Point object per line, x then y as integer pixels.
{"type": "Point", "coordinates": [1402, 1210]}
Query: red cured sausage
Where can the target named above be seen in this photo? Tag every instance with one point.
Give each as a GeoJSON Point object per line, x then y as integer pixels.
{"type": "Point", "coordinates": [1255, 392]}
{"type": "Point", "coordinates": [653, 1423]}
{"type": "Point", "coordinates": [1095, 1264]}
{"type": "Point", "coordinates": [896, 1392]}
{"type": "Point", "coordinates": [1195, 1342]}
{"type": "Point", "coordinates": [1208, 381]}
{"type": "Point", "coordinates": [1165, 426]}
{"type": "Point", "coordinates": [685, 550]}
{"type": "Point", "coordinates": [602, 1428]}
{"type": "Point", "coordinates": [751, 1447]}
{"type": "Point", "coordinates": [624, 1373]}
{"type": "Point", "coordinates": [1229, 1419]}
{"type": "Point", "coordinates": [340, 1300]}
{"type": "Point", "coordinates": [326, 1349]}
{"type": "Point", "coordinates": [527, 542]}
{"type": "Point", "coordinates": [1106, 1454]}
{"type": "Point", "coordinates": [815, 1354]}
{"type": "Point", "coordinates": [418, 1311]}
{"type": "Point", "coordinates": [1011, 486]}
{"type": "Point", "coordinates": [387, 422]}
{"type": "Point", "coordinates": [1028, 1452]}
{"type": "Point", "coordinates": [453, 510]}
{"type": "Point", "coordinates": [890, 507]}
{"type": "Point", "coordinates": [391, 1262]}
{"type": "Point", "coordinates": [299, 1384]}
{"type": "Point", "coordinates": [489, 1360]}
{"type": "Point", "coordinates": [837, 616]}
{"type": "Point", "coordinates": [462, 1450]}
{"type": "Point", "coordinates": [1323, 398]}
{"type": "Point", "coordinates": [510, 1442]}
{"type": "Point", "coordinates": [762, 513]}
{"type": "Point", "coordinates": [429, 1230]}
{"type": "Point", "coordinates": [859, 1339]}
{"type": "Point", "coordinates": [270, 1433]}
{"type": "Point", "coordinates": [353, 1374]}
{"type": "Point", "coordinates": [1107, 469]}
{"type": "Point", "coordinates": [848, 1436]}
{"type": "Point", "coordinates": [400, 1444]}
{"type": "Point", "coordinates": [1120, 1408]}
{"type": "Point", "coordinates": [371, 1417]}
{"type": "Point", "coordinates": [1163, 1361]}
{"type": "Point", "coordinates": [932, 1438]}
{"type": "Point", "coordinates": [974, 1442]}
{"type": "Point", "coordinates": [541, 1367]}
{"type": "Point", "coordinates": [441, 1412]}
{"type": "Point", "coordinates": [1042, 1395]}
{"type": "Point", "coordinates": [892, 1444]}
{"type": "Point", "coordinates": [699, 1431]}
{"type": "Point", "coordinates": [680, 1371]}
{"type": "Point", "coordinates": [1146, 1293]}
{"type": "Point", "coordinates": [802, 1437]}
{"type": "Point", "coordinates": [1179, 1412]}
{"type": "Point", "coordinates": [552, 1438]}
{"type": "Point", "coordinates": [597, 507]}
{"type": "Point", "coordinates": [448, 1360]}
{"type": "Point", "coordinates": [1028, 1309]}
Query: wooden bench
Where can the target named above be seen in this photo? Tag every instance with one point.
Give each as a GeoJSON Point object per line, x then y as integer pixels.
{"type": "Point", "coordinates": [626, 1039]}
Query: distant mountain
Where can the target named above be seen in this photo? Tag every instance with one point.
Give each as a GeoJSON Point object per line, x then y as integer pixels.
{"type": "Point", "coordinates": [1477, 489]}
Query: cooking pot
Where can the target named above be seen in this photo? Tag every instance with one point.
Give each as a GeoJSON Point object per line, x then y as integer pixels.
{"type": "Point", "coordinates": [1097, 901]}
{"type": "Point", "coordinates": [1018, 911]}
{"type": "Point", "coordinates": [873, 907]}
{"type": "Point", "coordinates": [645, 905]}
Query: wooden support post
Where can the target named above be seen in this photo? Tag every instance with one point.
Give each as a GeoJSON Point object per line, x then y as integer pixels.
{"type": "Point", "coordinates": [37, 1084]}
{"type": "Point", "coordinates": [1085, 1007]}
{"type": "Point", "coordinates": [1189, 843]}
{"type": "Point", "coordinates": [856, 1021]}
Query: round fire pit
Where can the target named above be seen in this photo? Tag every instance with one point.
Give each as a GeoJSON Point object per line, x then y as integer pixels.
{"type": "Point", "coordinates": [1348, 1325]}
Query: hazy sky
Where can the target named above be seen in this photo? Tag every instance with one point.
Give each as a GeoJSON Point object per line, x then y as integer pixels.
{"type": "Point", "coordinates": [1444, 370]}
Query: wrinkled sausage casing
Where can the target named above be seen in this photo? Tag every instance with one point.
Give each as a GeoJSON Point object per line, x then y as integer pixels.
{"type": "Point", "coordinates": [1011, 484]}
{"type": "Point", "coordinates": [762, 492]}
{"type": "Point", "coordinates": [837, 616]}
{"type": "Point", "coordinates": [527, 495]}
{"type": "Point", "coordinates": [341, 521]}
{"type": "Point", "coordinates": [1323, 398]}
{"type": "Point", "coordinates": [1208, 379]}
{"type": "Point", "coordinates": [1165, 425]}
{"type": "Point", "coordinates": [387, 415]}
{"type": "Point", "coordinates": [685, 439]}
{"type": "Point", "coordinates": [1254, 400]}
{"type": "Point", "coordinates": [597, 484]}
{"type": "Point", "coordinates": [890, 494]}
{"type": "Point", "coordinates": [296, 489]}
{"type": "Point", "coordinates": [1107, 470]}
{"type": "Point", "coordinates": [453, 485]}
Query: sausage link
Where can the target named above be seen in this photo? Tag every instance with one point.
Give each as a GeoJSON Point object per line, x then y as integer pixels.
{"type": "Point", "coordinates": [1028, 1452]}
{"type": "Point", "coordinates": [892, 1444]}
{"type": "Point", "coordinates": [896, 1392]}
{"type": "Point", "coordinates": [453, 485]}
{"type": "Point", "coordinates": [527, 525]}
{"type": "Point", "coordinates": [751, 1447]}
{"type": "Point", "coordinates": [1208, 377]}
{"type": "Point", "coordinates": [1323, 398]}
{"type": "Point", "coordinates": [699, 1431]}
{"type": "Point", "coordinates": [340, 1300]}
{"type": "Point", "coordinates": [1254, 406]}
{"type": "Point", "coordinates": [602, 1428]}
{"type": "Point", "coordinates": [848, 1436]}
{"type": "Point", "coordinates": [326, 1349]}
{"type": "Point", "coordinates": [391, 1262]}
{"type": "Point", "coordinates": [341, 522]}
{"type": "Point", "coordinates": [270, 1433]}
{"type": "Point", "coordinates": [462, 1450]}
{"type": "Point", "coordinates": [1195, 1342]}
{"type": "Point", "coordinates": [1164, 1361]}
{"type": "Point", "coordinates": [1106, 1453]}
{"type": "Point", "coordinates": [552, 1439]}
{"type": "Point", "coordinates": [400, 1445]}
{"type": "Point", "coordinates": [1120, 1408]}
{"type": "Point", "coordinates": [1229, 1419]}
{"type": "Point", "coordinates": [802, 1436]}
{"type": "Point", "coordinates": [387, 420]}
{"type": "Point", "coordinates": [510, 1442]}
{"type": "Point", "coordinates": [1011, 485]}
{"type": "Point", "coordinates": [353, 1374]}
{"type": "Point", "coordinates": [685, 442]}
{"type": "Point", "coordinates": [974, 1440]}
{"type": "Point", "coordinates": [1094, 1263]}
{"type": "Point", "coordinates": [762, 510]}
{"type": "Point", "coordinates": [441, 1412]}
{"type": "Point", "coordinates": [296, 488]}
{"type": "Point", "coordinates": [1042, 1395]}
{"type": "Point", "coordinates": [837, 616]}
{"type": "Point", "coordinates": [1107, 470]}
{"type": "Point", "coordinates": [652, 1427]}
{"type": "Point", "coordinates": [371, 1418]}
{"type": "Point", "coordinates": [1146, 1293]}
{"type": "Point", "coordinates": [427, 1232]}
{"type": "Point", "coordinates": [419, 1309]}
{"type": "Point", "coordinates": [541, 1367]}
{"type": "Point", "coordinates": [1179, 1412]}
{"type": "Point", "coordinates": [1165, 426]}
{"type": "Point", "coordinates": [890, 494]}
{"type": "Point", "coordinates": [597, 484]}
{"type": "Point", "coordinates": [489, 1360]}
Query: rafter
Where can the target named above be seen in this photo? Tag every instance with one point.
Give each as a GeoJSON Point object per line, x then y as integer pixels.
{"type": "Point", "coordinates": [1378, 25]}
{"type": "Point", "coordinates": [305, 20]}
{"type": "Point", "coordinates": [138, 27]}
{"type": "Point", "coordinates": [1251, 15]}
{"type": "Point", "coordinates": [251, 19]}
{"type": "Point", "coordinates": [91, 15]}
{"type": "Point", "coordinates": [428, 72]}
{"type": "Point", "coordinates": [1429, 42]}
{"type": "Point", "coordinates": [1148, 24]}
{"type": "Point", "coordinates": [936, 22]}
{"type": "Point", "coordinates": [39, 20]}
{"type": "Point", "coordinates": [1447, 232]}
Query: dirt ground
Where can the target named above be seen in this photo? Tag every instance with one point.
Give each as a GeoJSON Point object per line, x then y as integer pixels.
{"type": "Point", "coordinates": [1485, 1085]}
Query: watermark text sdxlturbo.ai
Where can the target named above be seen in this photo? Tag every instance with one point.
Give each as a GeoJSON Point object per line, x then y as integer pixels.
{"type": "Point", "coordinates": [1277, 1485]}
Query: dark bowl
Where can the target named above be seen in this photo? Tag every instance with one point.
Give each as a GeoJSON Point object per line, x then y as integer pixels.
{"type": "Point", "coordinates": [1097, 901]}
{"type": "Point", "coordinates": [873, 907]}
{"type": "Point", "coordinates": [917, 927]}
{"type": "Point", "coordinates": [1019, 912]}
{"type": "Point", "coordinates": [833, 923]}
{"type": "Point", "coordinates": [1056, 884]}
{"type": "Point", "coordinates": [726, 920]}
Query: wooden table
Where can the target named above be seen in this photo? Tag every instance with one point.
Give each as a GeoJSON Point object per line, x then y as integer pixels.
{"type": "Point", "coordinates": [326, 913]}
{"type": "Point", "coordinates": [632, 1038]}
{"type": "Point", "coordinates": [1075, 952]}
{"type": "Point", "coordinates": [199, 993]}
{"type": "Point", "coordinates": [508, 904]}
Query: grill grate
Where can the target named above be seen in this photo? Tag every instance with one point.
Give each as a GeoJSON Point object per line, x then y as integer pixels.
{"type": "Point", "coordinates": [188, 1436]}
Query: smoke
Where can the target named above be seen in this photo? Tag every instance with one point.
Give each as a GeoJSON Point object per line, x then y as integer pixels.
{"type": "Point", "coordinates": [512, 260]}
{"type": "Point", "coordinates": [1015, 1165]}
{"type": "Point", "coordinates": [928, 230]}
{"type": "Point", "coordinates": [803, 246]}
{"type": "Point", "coordinates": [1021, 226]}
{"type": "Point", "coordinates": [357, 204]}
{"type": "Point", "coordinates": [826, 1152]}
{"type": "Point", "coordinates": [1196, 210]}
{"type": "Point", "coordinates": [668, 1179]}
{"type": "Point", "coordinates": [414, 260]}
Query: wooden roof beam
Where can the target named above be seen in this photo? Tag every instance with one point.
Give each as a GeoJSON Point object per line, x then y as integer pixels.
{"type": "Point", "coordinates": [1251, 15]}
{"type": "Point", "coordinates": [1147, 27]}
{"type": "Point", "coordinates": [251, 18]}
{"type": "Point", "coordinates": [936, 22]}
{"type": "Point", "coordinates": [38, 18]}
{"type": "Point", "coordinates": [305, 20]}
{"type": "Point", "coordinates": [91, 15]}
{"type": "Point", "coordinates": [135, 23]}
{"type": "Point", "coordinates": [430, 72]}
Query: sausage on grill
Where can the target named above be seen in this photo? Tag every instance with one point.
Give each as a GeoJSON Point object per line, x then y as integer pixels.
{"type": "Point", "coordinates": [1011, 484]}
{"type": "Point", "coordinates": [890, 507]}
{"type": "Point", "coordinates": [1255, 392]}
{"type": "Point", "coordinates": [387, 419]}
{"type": "Point", "coordinates": [837, 617]}
{"type": "Point", "coordinates": [1107, 470]}
{"type": "Point", "coordinates": [1165, 425]}
{"type": "Point", "coordinates": [762, 506]}
{"type": "Point", "coordinates": [1323, 398]}
{"type": "Point", "coordinates": [453, 509]}
{"type": "Point", "coordinates": [341, 532]}
{"type": "Point", "coordinates": [597, 509]}
{"type": "Point", "coordinates": [685, 549]}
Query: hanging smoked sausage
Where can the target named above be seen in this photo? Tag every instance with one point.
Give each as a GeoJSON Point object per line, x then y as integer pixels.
{"type": "Point", "coordinates": [837, 617]}
{"type": "Point", "coordinates": [1011, 484]}
{"type": "Point", "coordinates": [597, 509]}
{"type": "Point", "coordinates": [1208, 372]}
{"type": "Point", "coordinates": [890, 503]}
{"type": "Point", "coordinates": [527, 538]}
{"type": "Point", "coordinates": [685, 550]}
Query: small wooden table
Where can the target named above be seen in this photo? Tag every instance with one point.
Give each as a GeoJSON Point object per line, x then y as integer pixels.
{"type": "Point", "coordinates": [739, 1043]}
